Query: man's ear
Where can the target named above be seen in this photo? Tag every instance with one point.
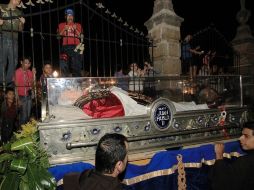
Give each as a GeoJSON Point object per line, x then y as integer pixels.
{"type": "Point", "coordinates": [119, 166]}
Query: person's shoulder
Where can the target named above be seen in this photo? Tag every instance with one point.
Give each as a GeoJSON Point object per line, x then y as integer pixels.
{"type": "Point", "coordinates": [87, 172]}
{"type": "Point", "coordinates": [61, 24]}
{"type": "Point", "coordinates": [19, 11]}
{"type": "Point", "coordinates": [78, 25]}
{"type": "Point", "coordinates": [87, 179]}
{"type": "Point", "coordinates": [42, 77]}
{"type": "Point", "coordinates": [91, 179]}
{"type": "Point", "coordinates": [18, 70]}
{"type": "Point", "coordinates": [84, 175]}
{"type": "Point", "coordinates": [3, 7]}
{"type": "Point", "coordinates": [246, 157]}
{"type": "Point", "coordinates": [18, 73]}
{"type": "Point", "coordinates": [131, 73]}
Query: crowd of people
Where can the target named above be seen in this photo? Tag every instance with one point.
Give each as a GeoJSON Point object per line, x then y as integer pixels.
{"type": "Point", "coordinates": [137, 79]}
{"type": "Point", "coordinates": [21, 100]}
{"type": "Point", "coordinates": [196, 61]}
{"type": "Point", "coordinates": [18, 78]}
{"type": "Point", "coordinates": [12, 21]}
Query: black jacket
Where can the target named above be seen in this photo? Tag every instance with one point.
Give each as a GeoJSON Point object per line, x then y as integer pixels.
{"type": "Point", "coordinates": [234, 175]}
{"type": "Point", "coordinates": [92, 180]}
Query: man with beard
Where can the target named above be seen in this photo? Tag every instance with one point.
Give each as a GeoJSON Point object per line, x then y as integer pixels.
{"type": "Point", "coordinates": [111, 158]}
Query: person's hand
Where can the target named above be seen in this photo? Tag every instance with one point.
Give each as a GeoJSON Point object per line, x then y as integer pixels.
{"type": "Point", "coordinates": [197, 48]}
{"type": "Point", "coordinates": [22, 20]}
{"type": "Point", "coordinates": [1, 22]}
{"type": "Point", "coordinates": [34, 71]}
{"type": "Point", "coordinates": [76, 29]}
{"type": "Point", "coordinates": [150, 66]}
{"type": "Point", "coordinates": [66, 27]}
{"type": "Point", "coordinates": [138, 71]}
{"type": "Point", "coordinates": [145, 70]}
{"type": "Point", "coordinates": [141, 73]}
{"type": "Point", "coordinates": [19, 103]}
{"type": "Point", "coordinates": [219, 150]}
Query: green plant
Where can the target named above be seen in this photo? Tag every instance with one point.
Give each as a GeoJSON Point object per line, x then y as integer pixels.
{"type": "Point", "coordinates": [23, 164]}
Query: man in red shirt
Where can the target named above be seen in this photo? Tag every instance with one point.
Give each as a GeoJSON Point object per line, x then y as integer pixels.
{"type": "Point", "coordinates": [24, 79]}
{"type": "Point", "coordinates": [70, 32]}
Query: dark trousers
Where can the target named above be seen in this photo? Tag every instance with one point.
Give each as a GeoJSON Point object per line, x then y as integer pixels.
{"type": "Point", "coordinates": [26, 106]}
{"type": "Point", "coordinates": [71, 63]}
{"type": "Point", "coordinates": [7, 128]}
{"type": "Point", "coordinates": [8, 54]}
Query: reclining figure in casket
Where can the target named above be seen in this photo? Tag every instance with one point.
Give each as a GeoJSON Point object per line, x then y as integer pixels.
{"type": "Point", "coordinates": [107, 103]}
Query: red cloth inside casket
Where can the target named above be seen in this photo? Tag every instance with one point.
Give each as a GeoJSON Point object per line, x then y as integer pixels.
{"type": "Point", "coordinates": [107, 107]}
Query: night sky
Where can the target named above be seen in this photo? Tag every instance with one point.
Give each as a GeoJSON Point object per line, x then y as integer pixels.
{"type": "Point", "coordinates": [197, 14]}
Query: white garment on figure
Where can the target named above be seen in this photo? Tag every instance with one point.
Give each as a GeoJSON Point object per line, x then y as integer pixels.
{"type": "Point", "coordinates": [131, 107]}
{"type": "Point", "coordinates": [186, 106]}
{"type": "Point", "coordinates": [66, 111]}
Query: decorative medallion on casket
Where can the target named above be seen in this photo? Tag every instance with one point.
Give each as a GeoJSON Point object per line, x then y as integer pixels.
{"type": "Point", "coordinates": [162, 111]}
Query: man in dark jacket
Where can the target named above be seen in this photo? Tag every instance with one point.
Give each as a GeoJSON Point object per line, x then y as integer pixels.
{"type": "Point", "coordinates": [110, 161]}
{"type": "Point", "coordinates": [8, 115]}
{"type": "Point", "coordinates": [11, 23]}
{"type": "Point", "coordinates": [238, 174]}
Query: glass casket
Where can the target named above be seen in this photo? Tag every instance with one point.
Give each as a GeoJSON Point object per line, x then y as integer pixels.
{"type": "Point", "coordinates": [158, 113]}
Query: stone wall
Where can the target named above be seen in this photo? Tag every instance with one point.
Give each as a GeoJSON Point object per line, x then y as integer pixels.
{"type": "Point", "coordinates": [164, 30]}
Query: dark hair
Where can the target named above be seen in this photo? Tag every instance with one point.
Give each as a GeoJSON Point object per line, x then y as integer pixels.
{"type": "Point", "coordinates": [119, 68]}
{"type": "Point", "coordinates": [110, 149]}
{"type": "Point", "coordinates": [26, 57]}
{"type": "Point", "coordinates": [249, 125]}
{"type": "Point", "coordinates": [47, 62]}
{"type": "Point", "coordinates": [9, 90]}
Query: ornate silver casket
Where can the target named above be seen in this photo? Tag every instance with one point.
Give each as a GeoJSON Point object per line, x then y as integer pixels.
{"type": "Point", "coordinates": [161, 113]}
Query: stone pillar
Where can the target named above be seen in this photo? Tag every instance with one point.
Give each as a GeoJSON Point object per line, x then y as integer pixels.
{"type": "Point", "coordinates": [164, 30]}
{"type": "Point", "coordinates": [243, 42]}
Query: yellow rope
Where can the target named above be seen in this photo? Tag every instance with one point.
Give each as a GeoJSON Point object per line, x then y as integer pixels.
{"type": "Point", "coordinates": [181, 173]}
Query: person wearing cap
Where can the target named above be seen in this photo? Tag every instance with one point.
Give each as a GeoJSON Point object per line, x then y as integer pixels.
{"type": "Point", "coordinates": [237, 174]}
{"type": "Point", "coordinates": [70, 31]}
